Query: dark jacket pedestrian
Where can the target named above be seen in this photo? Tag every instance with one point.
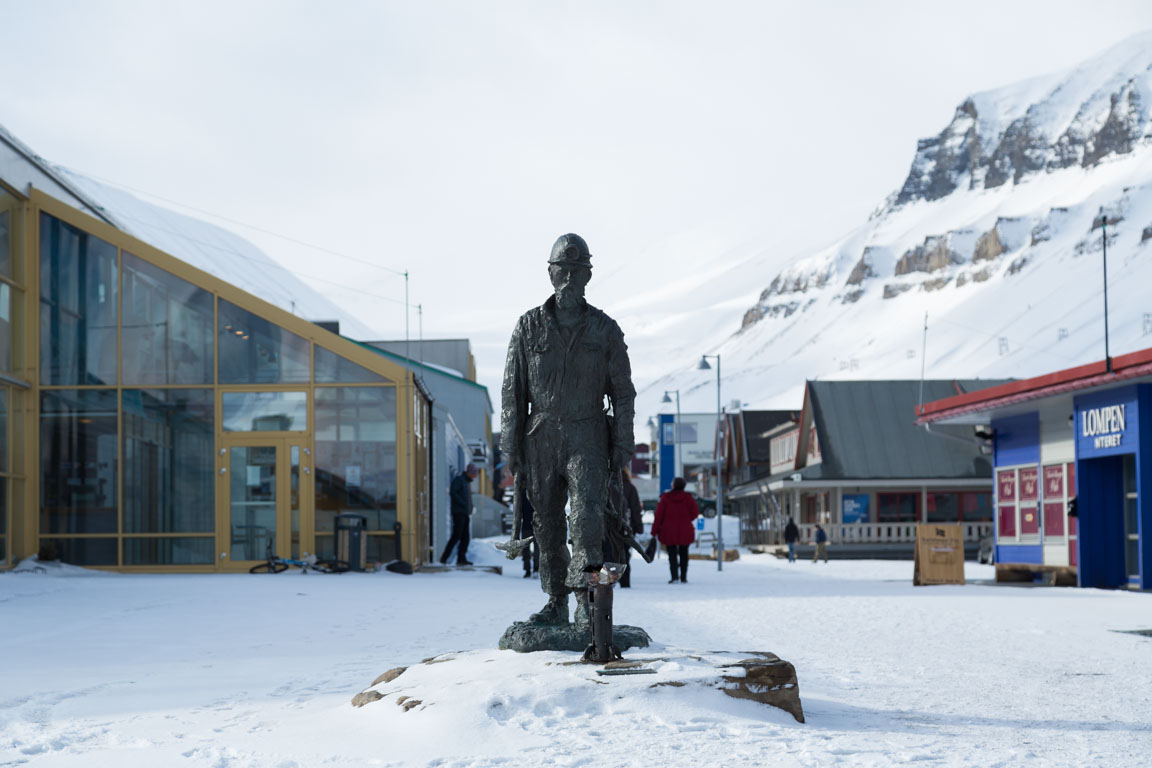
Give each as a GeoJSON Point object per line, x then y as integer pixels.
{"type": "Point", "coordinates": [791, 536]}
{"type": "Point", "coordinates": [821, 544]}
{"type": "Point", "coordinates": [625, 500]}
{"type": "Point", "coordinates": [460, 495]}
{"type": "Point", "coordinates": [673, 526]}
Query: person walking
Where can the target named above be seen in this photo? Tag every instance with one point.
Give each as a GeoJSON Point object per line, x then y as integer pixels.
{"type": "Point", "coordinates": [460, 494]}
{"type": "Point", "coordinates": [675, 514]}
{"type": "Point", "coordinates": [821, 544]}
{"type": "Point", "coordinates": [791, 536]}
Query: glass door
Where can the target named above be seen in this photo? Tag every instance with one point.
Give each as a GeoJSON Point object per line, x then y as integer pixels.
{"type": "Point", "coordinates": [1131, 523]}
{"type": "Point", "coordinates": [263, 485]}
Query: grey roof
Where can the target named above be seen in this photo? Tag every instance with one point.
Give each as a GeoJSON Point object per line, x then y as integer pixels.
{"type": "Point", "coordinates": [867, 430]}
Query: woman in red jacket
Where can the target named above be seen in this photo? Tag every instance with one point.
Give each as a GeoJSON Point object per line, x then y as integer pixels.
{"type": "Point", "coordinates": [673, 527]}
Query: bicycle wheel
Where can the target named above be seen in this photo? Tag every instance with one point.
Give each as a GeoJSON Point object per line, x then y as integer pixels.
{"type": "Point", "coordinates": [331, 566]}
{"type": "Point", "coordinates": [270, 567]}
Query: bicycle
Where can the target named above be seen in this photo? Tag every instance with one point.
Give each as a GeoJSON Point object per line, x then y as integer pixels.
{"type": "Point", "coordinates": [276, 564]}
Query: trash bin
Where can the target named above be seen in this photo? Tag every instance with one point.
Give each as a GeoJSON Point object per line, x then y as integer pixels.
{"type": "Point", "coordinates": [351, 541]}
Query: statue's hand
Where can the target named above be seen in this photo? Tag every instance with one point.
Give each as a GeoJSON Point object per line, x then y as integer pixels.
{"type": "Point", "coordinates": [620, 458]}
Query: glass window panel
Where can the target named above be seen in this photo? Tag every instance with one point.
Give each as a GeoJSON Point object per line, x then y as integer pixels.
{"type": "Point", "coordinates": [1007, 522]}
{"type": "Point", "coordinates": [976, 507]}
{"type": "Point", "coordinates": [897, 507]}
{"type": "Point", "coordinates": [294, 500]}
{"type": "Point", "coordinates": [3, 429]}
{"type": "Point", "coordinates": [78, 280]}
{"type": "Point", "coordinates": [1029, 519]}
{"type": "Point", "coordinates": [5, 236]}
{"type": "Point", "coordinates": [252, 501]}
{"type": "Point", "coordinates": [78, 461]}
{"type": "Point", "coordinates": [943, 507]}
{"type": "Point", "coordinates": [264, 411]}
{"type": "Point", "coordinates": [11, 233]}
{"type": "Point", "coordinates": [168, 461]}
{"type": "Point", "coordinates": [355, 465]}
{"type": "Point", "coordinates": [167, 327]}
{"type": "Point", "coordinates": [331, 368]}
{"type": "Point", "coordinates": [1054, 519]}
{"type": "Point", "coordinates": [1129, 473]}
{"type": "Point", "coordinates": [99, 551]}
{"type": "Point", "coordinates": [382, 549]}
{"type": "Point", "coordinates": [3, 519]}
{"type": "Point", "coordinates": [169, 551]}
{"type": "Point", "coordinates": [255, 351]}
{"type": "Point", "coordinates": [325, 546]}
{"type": "Point", "coordinates": [11, 308]}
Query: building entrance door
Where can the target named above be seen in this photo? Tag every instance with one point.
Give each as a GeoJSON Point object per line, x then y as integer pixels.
{"type": "Point", "coordinates": [1131, 524]}
{"type": "Point", "coordinates": [263, 499]}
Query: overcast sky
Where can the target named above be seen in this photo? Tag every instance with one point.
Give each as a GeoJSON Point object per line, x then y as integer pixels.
{"type": "Point", "coordinates": [457, 140]}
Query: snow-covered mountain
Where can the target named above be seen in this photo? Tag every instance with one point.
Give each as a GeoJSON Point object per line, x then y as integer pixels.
{"type": "Point", "coordinates": [995, 237]}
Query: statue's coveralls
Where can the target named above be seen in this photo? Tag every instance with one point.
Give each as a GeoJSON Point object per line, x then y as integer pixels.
{"type": "Point", "coordinates": [554, 422]}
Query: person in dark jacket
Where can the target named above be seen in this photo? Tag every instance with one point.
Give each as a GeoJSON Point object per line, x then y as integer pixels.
{"type": "Point", "coordinates": [791, 536]}
{"type": "Point", "coordinates": [460, 493]}
{"type": "Point", "coordinates": [675, 514]}
{"type": "Point", "coordinates": [821, 544]}
{"type": "Point", "coordinates": [625, 499]}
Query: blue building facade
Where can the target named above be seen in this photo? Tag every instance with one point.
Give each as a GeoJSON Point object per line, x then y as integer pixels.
{"type": "Point", "coordinates": [1073, 465]}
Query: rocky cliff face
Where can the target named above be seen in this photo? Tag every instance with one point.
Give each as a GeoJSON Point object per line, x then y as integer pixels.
{"type": "Point", "coordinates": [1096, 113]}
{"type": "Point", "coordinates": [995, 240]}
{"type": "Point", "coordinates": [1072, 123]}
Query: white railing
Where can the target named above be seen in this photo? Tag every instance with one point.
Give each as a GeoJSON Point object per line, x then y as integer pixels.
{"type": "Point", "coordinates": [882, 533]}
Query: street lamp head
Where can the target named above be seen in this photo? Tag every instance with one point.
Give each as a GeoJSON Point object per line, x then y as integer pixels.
{"type": "Point", "coordinates": [703, 366]}
{"type": "Point", "coordinates": [666, 399]}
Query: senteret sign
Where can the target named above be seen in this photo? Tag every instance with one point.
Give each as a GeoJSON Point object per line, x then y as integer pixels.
{"type": "Point", "coordinates": [1106, 422]}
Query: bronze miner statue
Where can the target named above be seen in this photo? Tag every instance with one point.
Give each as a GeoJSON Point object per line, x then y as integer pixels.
{"type": "Point", "coordinates": [566, 360]}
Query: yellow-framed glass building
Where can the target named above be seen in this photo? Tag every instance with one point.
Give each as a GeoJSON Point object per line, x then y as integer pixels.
{"type": "Point", "coordinates": [155, 417]}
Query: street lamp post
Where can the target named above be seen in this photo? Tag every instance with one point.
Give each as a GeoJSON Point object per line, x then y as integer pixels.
{"type": "Point", "coordinates": [704, 366]}
{"type": "Point", "coordinates": [678, 464]}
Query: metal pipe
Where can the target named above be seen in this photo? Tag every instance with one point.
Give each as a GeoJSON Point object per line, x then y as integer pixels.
{"type": "Point", "coordinates": [719, 479]}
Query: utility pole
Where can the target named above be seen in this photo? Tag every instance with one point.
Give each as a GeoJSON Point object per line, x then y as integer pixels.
{"type": "Point", "coordinates": [1104, 239]}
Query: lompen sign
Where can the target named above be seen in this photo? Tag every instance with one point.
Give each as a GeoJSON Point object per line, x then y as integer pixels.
{"type": "Point", "coordinates": [1107, 422]}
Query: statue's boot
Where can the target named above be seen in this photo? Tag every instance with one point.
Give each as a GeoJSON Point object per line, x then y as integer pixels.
{"type": "Point", "coordinates": [555, 612]}
{"type": "Point", "coordinates": [583, 614]}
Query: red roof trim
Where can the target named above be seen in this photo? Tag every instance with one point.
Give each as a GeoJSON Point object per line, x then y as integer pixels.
{"type": "Point", "coordinates": [1124, 367]}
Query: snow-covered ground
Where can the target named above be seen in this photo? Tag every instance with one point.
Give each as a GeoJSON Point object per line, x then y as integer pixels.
{"type": "Point", "coordinates": [221, 670]}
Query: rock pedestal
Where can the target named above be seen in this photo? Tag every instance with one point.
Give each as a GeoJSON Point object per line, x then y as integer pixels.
{"type": "Point", "coordinates": [463, 686]}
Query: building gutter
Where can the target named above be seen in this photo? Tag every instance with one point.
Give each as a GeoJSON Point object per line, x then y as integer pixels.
{"type": "Point", "coordinates": [44, 167]}
{"type": "Point", "coordinates": [785, 484]}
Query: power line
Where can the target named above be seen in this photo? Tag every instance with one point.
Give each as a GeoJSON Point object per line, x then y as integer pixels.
{"type": "Point", "coordinates": [265, 262]}
{"type": "Point", "coordinates": [237, 222]}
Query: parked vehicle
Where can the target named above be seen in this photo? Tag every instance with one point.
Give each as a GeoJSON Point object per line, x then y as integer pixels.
{"type": "Point", "coordinates": [987, 553]}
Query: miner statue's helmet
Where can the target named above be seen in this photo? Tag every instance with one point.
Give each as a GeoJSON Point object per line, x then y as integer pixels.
{"type": "Point", "coordinates": [571, 249]}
